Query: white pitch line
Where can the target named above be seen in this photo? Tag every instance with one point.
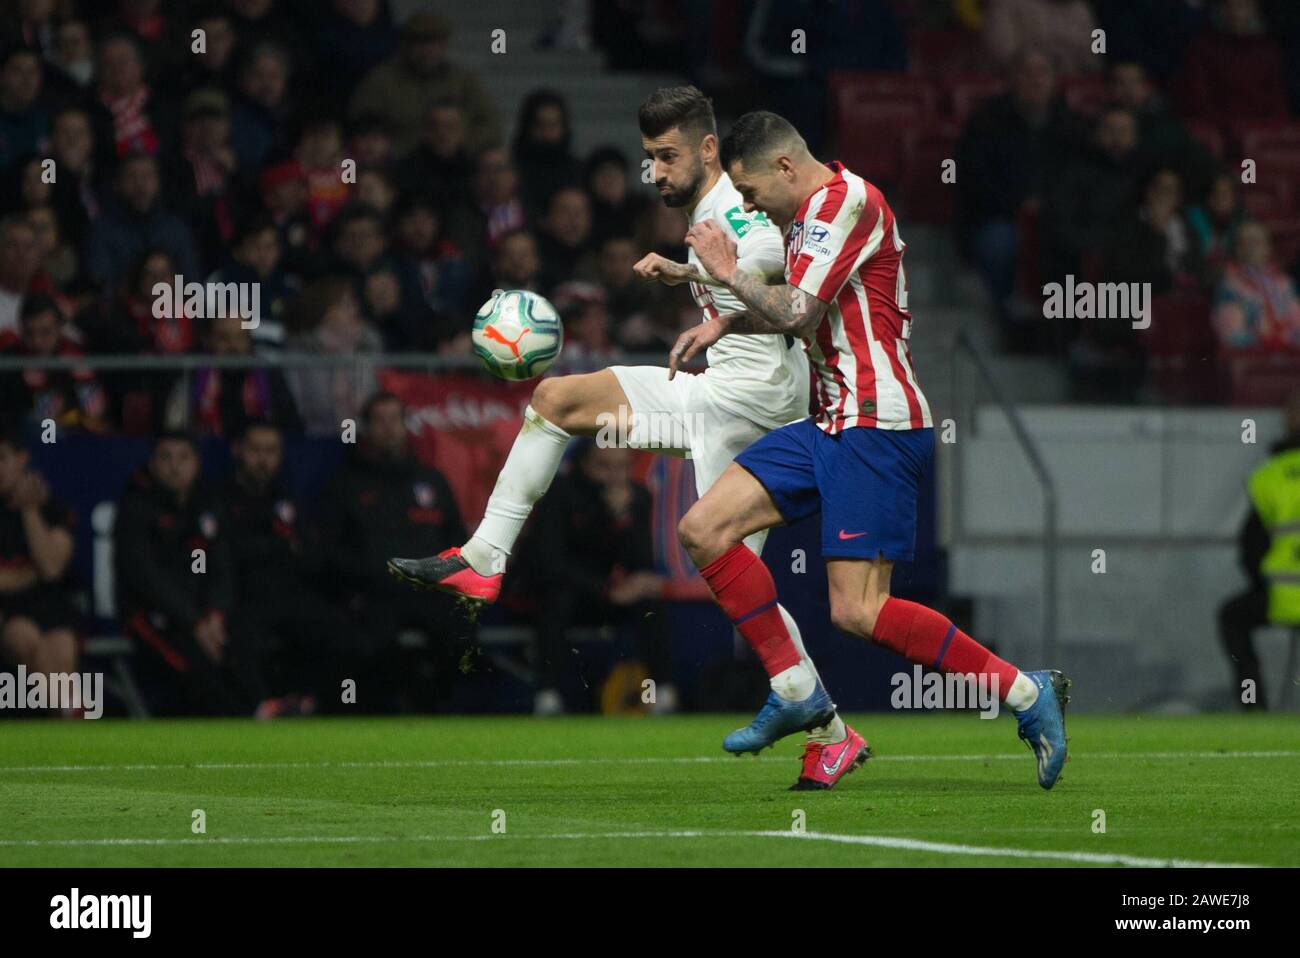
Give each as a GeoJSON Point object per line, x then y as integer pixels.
{"type": "Point", "coordinates": [875, 841]}
{"type": "Point", "coordinates": [547, 762]}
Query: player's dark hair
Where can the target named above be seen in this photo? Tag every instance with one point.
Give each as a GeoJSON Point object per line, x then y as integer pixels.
{"type": "Point", "coordinates": [681, 107]}
{"type": "Point", "coordinates": [754, 135]}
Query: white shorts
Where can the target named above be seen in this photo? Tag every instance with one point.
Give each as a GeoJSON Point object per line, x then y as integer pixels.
{"type": "Point", "coordinates": [680, 417]}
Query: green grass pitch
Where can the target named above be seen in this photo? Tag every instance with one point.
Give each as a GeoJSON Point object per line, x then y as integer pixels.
{"type": "Point", "coordinates": [943, 790]}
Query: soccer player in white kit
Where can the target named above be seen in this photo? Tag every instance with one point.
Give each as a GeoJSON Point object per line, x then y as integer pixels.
{"type": "Point", "coordinates": [753, 385]}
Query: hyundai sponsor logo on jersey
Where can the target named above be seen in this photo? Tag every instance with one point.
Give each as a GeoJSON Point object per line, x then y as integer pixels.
{"type": "Point", "coordinates": [818, 241]}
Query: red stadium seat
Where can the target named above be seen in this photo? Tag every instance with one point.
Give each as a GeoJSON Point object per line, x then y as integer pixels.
{"type": "Point", "coordinates": [966, 93]}
{"type": "Point", "coordinates": [871, 111]}
{"type": "Point", "coordinates": [1085, 94]}
{"type": "Point", "coordinates": [925, 147]}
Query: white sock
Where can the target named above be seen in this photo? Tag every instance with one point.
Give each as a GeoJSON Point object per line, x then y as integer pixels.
{"type": "Point", "coordinates": [533, 462]}
{"type": "Point", "coordinates": [1022, 694]}
{"type": "Point", "coordinates": [795, 684]}
{"type": "Point", "coordinates": [834, 731]}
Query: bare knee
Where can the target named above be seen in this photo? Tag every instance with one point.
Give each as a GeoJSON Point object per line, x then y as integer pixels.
{"type": "Point", "coordinates": [703, 536]}
{"type": "Point", "coordinates": [552, 400]}
{"type": "Point", "coordinates": [857, 614]}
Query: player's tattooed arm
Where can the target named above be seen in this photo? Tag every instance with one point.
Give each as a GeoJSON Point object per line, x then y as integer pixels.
{"type": "Point", "coordinates": [790, 310]}
{"type": "Point", "coordinates": [787, 309]}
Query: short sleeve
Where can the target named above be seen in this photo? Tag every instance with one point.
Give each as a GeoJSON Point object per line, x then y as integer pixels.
{"type": "Point", "coordinates": [839, 233]}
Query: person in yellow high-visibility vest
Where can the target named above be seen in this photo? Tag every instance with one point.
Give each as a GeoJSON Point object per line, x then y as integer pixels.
{"type": "Point", "coordinates": [1270, 554]}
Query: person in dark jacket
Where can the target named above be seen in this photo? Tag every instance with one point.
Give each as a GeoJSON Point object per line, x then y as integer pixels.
{"type": "Point", "coordinates": [175, 589]}
{"type": "Point", "coordinates": [589, 560]}
{"type": "Point", "coordinates": [381, 502]}
{"type": "Point", "coordinates": [135, 223]}
{"type": "Point", "coordinates": [298, 629]}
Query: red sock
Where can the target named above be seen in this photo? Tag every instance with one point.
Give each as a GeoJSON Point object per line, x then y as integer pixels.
{"type": "Point", "coordinates": [925, 637]}
{"type": "Point", "coordinates": [745, 590]}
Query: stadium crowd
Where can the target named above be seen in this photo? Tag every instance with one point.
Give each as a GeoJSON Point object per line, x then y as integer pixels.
{"type": "Point", "coordinates": [135, 151]}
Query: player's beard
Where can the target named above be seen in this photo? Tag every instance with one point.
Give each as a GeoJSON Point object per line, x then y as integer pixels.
{"type": "Point", "coordinates": [677, 198]}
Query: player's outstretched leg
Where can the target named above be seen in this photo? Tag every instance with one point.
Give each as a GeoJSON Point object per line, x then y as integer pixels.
{"type": "Point", "coordinates": [712, 532]}
{"type": "Point", "coordinates": [861, 605]}
{"type": "Point", "coordinates": [561, 408]}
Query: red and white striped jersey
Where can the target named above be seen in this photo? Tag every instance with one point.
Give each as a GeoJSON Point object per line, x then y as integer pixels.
{"type": "Point", "coordinates": [843, 247]}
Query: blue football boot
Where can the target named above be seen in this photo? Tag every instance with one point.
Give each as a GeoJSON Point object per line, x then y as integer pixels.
{"type": "Point", "coordinates": [1042, 725]}
{"type": "Point", "coordinates": [781, 717]}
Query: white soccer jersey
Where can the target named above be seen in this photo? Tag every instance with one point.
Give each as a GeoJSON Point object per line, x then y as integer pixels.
{"type": "Point", "coordinates": [758, 377]}
{"type": "Point", "coordinates": [844, 248]}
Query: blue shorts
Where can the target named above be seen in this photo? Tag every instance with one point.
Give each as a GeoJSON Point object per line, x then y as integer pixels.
{"type": "Point", "coordinates": [864, 481]}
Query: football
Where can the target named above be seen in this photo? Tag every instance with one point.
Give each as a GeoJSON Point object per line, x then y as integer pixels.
{"type": "Point", "coordinates": [517, 334]}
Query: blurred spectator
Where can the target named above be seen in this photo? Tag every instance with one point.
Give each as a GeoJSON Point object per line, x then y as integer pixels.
{"type": "Point", "coordinates": [300, 634]}
{"type": "Point", "coordinates": [1234, 70]}
{"type": "Point", "coordinates": [1061, 30]}
{"type": "Point", "coordinates": [1095, 190]}
{"type": "Point", "coordinates": [496, 193]}
{"type": "Point", "coordinates": [376, 189]}
{"type": "Point", "coordinates": [585, 312]}
{"type": "Point", "coordinates": [30, 187]}
{"type": "Point", "coordinates": [1156, 245]}
{"type": "Point", "coordinates": [191, 657]}
{"type": "Point", "coordinates": [353, 37]}
{"type": "Point", "coordinates": [588, 560]}
{"type": "Point", "coordinates": [320, 151]}
{"type": "Point", "coordinates": [383, 501]}
{"type": "Point", "coordinates": [256, 258]}
{"type": "Point", "coordinates": [615, 206]}
{"type": "Point", "coordinates": [213, 66]}
{"type": "Point", "coordinates": [61, 261]}
{"type": "Point", "coordinates": [29, 23]}
{"type": "Point", "coordinates": [283, 188]}
{"type": "Point", "coordinates": [629, 300]}
{"type": "Point", "coordinates": [401, 87]}
{"type": "Point", "coordinates": [370, 141]}
{"type": "Point", "coordinates": [1162, 139]}
{"type": "Point", "coordinates": [38, 622]}
{"type": "Point", "coordinates": [1214, 221]}
{"type": "Point", "coordinates": [325, 319]}
{"type": "Point", "coordinates": [542, 150]}
{"type": "Point", "coordinates": [24, 121]}
{"type": "Point", "coordinates": [1255, 305]}
{"type": "Point", "coordinates": [220, 401]}
{"type": "Point", "coordinates": [19, 264]}
{"type": "Point", "coordinates": [516, 264]}
{"type": "Point", "coordinates": [199, 177]}
{"type": "Point", "coordinates": [260, 110]}
{"type": "Point", "coordinates": [388, 285]}
{"type": "Point", "coordinates": [1012, 149]}
{"type": "Point", "coordinates": [71, 63]}
{"type": "Point", "coordinates": [1266, 550]}
{"type": "Point", "coordinates": [79, 186]}
{"type": "Point", "coordinates": [565, 238]}
{"type": "Point", "coordinates": [129, 117]}
{"type": "Point", "coordinates": [446, 273]}
{"type": "Point", "coordinates": [439, 164]}
{"type": "Point", "coordinates": [136, 221]}
{"type": "Point", "coordinates": [72, 398]}
{"type": "Point", "coordinates": [267, 21]}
